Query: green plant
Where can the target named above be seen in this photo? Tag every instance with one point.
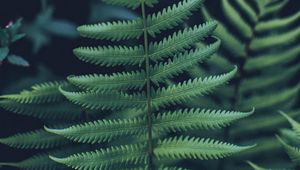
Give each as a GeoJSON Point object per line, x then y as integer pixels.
{"type": "Point", "coordinates": [9, 35]}
{"type": "Point", "coordinates": [140, 117]}
{"type": "Point", "coordinates": [265, 47]}
{"type": "Point", "coordinates": [45, 25]}
{"type": "Point", "coordinates": [289, 139]}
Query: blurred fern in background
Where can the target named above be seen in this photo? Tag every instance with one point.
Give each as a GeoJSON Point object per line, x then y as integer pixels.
{"type": "Point", "coordinates": [265, 46]}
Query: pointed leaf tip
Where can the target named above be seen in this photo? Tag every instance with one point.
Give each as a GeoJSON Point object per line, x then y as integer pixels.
{"type": "Point", "coordinates": [58, 160]}
{"type": "Point", "coordinates": [55, 131]}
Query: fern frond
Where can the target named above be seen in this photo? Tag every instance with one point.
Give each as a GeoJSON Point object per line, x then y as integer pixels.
{"type": "Point", "coordinates": [104, 158]}
{"type": "Point", "coordinates": [195, 148]}
{"type": "Point", "coordinates": [133, 4]}
{"type": "Point", "coordinates": [229, 41]}
{"type": "Point", "coordinates": [247, 10]}
{"type": "Point", "coordinates": [115, 31]}
{"type": "Point", "coordinates": [38, 162]}
{"type": "Point", "coordinates": [43, 162]}
{"type": "Point", "coordinates": [40, 93]}
{"type": "Point", "coordinates": [235, 18]}
{"type": "Point", "coordinates": [265, 81]}
{"type": "Point", "coordinates": [194, 119]}
{"type": "Point", "coordinates": [116, 81]}
{"type": "Point", "coordinates": [63, 110]}
{"type": "Point", "coordinates": [111, 55]}
{"type": "Point", "coordinates": [102, 130]}
{"type": "Point", "coordinates": [182, 120]}
{"type": "Point", "coordinates": [256, 167]}
{"type": "Point", "coordinates": [267, 60]}
{"type": "Point", "coordinates": [269, 8]}
{"type": "Point", "coordinates": [180, 41]}
{"type": "Point", "coordinates": [273, 41]}
{"type": "Point", "coordinates": [293, 152]}
{"type": "Point", "coordinates": [113, 100]}
{"type": "Point", "coordinates": [270, 99]}
{"type": "Point", "coordinates": [183, 92]}
{"type": "Point", "coordinates": [171, 16]}
{"type": "Point", "coordinates": [160, 72]}
{"type": "Point", "coordinates": [38, 139]}
{"type": "Point", "coordinates": [277, 24]}
{"type": "Point", "coordinates": [295, 125]}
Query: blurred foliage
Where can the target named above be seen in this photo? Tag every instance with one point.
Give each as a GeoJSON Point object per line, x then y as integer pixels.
{"type": "Point", "coordinates": [45, 25]}
{"type": "Point", "coordinates": [103, 12]}
{"type": "Point", "coordinates": [290, 141]}
{"type": "Point", "coordinates": [9, 35]}
{"type": "Point", "coordinates": [265, 47]}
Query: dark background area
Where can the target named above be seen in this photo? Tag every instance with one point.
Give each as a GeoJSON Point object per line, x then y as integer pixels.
{"type": "Point", "coordinates": [56, 57]}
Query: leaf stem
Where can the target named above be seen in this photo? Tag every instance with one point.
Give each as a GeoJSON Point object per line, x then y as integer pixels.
{"type": "Point", "coordinates": [148, 89]}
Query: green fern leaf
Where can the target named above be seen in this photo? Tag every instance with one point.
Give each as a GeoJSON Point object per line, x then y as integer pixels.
{"type": "Point", "coordinates": [265, 81]}
{"type": "Point", "coordinates": [63, 110]}
{"type": "Point", "coordinates": [236, 20]}
{"type": "Point", "coordinates": [116, 81]}
{"type": "Point", "coordinates": [104, 158]}
{"type": "Point", "coordinates": [256, 167]}
{"type": "Point", "coordinates": [182, 120]}
{"type": "Point", "coordinates": [195, 148]}
{"type": "Point", "coordinates": [264, 61]}
{"type": "Point", "coordinates": [171, 16]}
{"type": "Point", "coordinates": [96, 101]}
{"type": "Point", "coordinates": [115, 31]}
{"type": "Point", "coordinates": [193, 119]}
{"type": "Point", "coordinates": [295, 125]}
{"type": "Point", "coordinates": [274, 41]}
{"type": "Point", "coordinates": [131, 4]}
{"type": "Point", "coordinates": [40, 93]}
{"type": "Point", "coordinates": [111, 55]}
{"type": "Point", "coordinates": [102, 130]}
{"type": "Point", "coordinates": [182, 92]}
{"type": "Point", "coordinates": [43, 162]}
{"type": "Point", "coordinates": [247, 9]}
{"type": "Point", "coordinates": [38, 139]}
{"type": "Point", "coordinates": [37, 162]}
{"type": "Point", "coordinates": [160, 72]}
{"type": "Point", "coordinates": [267, 8]}
{"type": "Point", "coordinates": [293, 152]}
{"type": "Point", "coordinates": [179, 41]}
{"type": "Point", "coordinates": [277, 24]}
{"type": "Point", "coordinates": [230, 42]}
{"type": "Point", "coordinates": [270, 99]}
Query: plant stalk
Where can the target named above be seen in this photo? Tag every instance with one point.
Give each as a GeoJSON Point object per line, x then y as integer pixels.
{"type": "Point", "coordinates": [148, 90]}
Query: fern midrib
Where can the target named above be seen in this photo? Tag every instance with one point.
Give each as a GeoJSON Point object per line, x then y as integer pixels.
{"type": "Point", "coordinates": [176, 65]}
{"type": "Point", "coordinates": [162, 50]}
{"type": "Point", "coordinates": [122, 127]}
{"type": "Point", "coordinates": [205, 122]}
{"type": "Point", "coordinates": [148, 89]}
{"type": "Point", "coordinates": [109, 82]}
{"type": "Point", "coordinates": [182, 92]}
{"type": "Point", "coordinates": [135, 30]}
{"type": "Point", "coordinates": [206, 148]}
{"type": "Point", "coordinates": [116, 56]}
